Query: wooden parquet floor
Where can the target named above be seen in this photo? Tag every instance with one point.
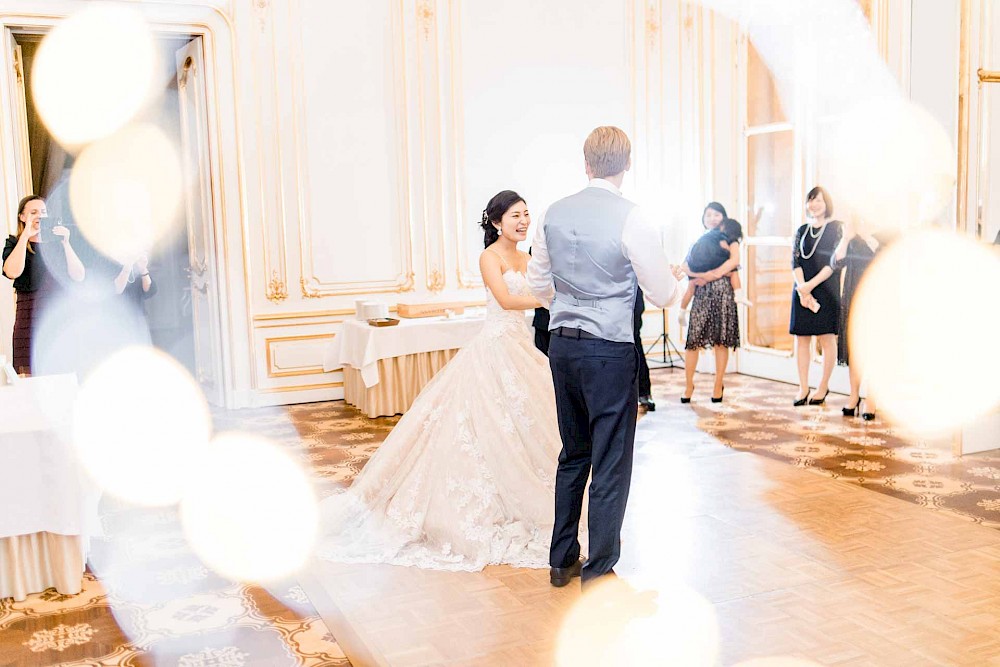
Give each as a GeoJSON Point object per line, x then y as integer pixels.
{"type": "Point", "coordinates": [789, 563]}
{"type": "Point", "coordinates": [800, 532]}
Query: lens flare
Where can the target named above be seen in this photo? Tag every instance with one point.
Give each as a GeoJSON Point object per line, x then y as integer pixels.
{"type": "Point", "coordinates": [57, 348]}
{"type": "Point", "coordinates": [923, 286]}
{"type": "Point", "coordinates": [889, 161]}
{"type": "Point", "coordinates": [93, 73]}
{"type": "Point", "coordinates": [250, 513]}
{"type": "Point", "coordinates": [125, 191]}
{"type": "Point", "coordinates": [138, 423]}
{"type": "Point", "coordinates": [614, 624]}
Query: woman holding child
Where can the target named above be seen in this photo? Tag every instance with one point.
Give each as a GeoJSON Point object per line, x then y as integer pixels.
{"type": "Point", "coordinates": [711, 265]}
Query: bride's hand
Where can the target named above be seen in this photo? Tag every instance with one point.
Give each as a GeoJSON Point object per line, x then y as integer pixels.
{"type": "Point", "coordinates": [678, 272]}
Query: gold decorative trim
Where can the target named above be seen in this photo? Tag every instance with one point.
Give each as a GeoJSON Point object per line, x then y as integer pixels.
{"type": "Point", "coordinates": [274, 371]}
{"type": "Point", "coordinates": [432, 121]}
{"type": "Point", "coordinates": [261, 7]}
{"type": "Point", "coordinates": [308, 291]}
{"type": "Point", "coordinates": [303, 315]}
{"type": "Point", "coordinates": [962, 186]}
{"type": "Point", "coordinates": [189, 68]}
{"type": "Point", "coordinates": [298, 325]}
{"type": "Point", "coordinates": [18, 65]}
{"type": "Point", "coordinates": [988, 76]}
{"type": "Point", "coordinates": [653, 25]}
{"type": "Point", "coordinates": [425, 16]}
{"type": "Point", "coordinates": [276, 290]}
{"type": "Point", "coordinates": [302, 387]}
{"type": "Point", "coordinates": [964, 90]}
{"type": "Point", "coordinates": [318, 314]}
{"type": "Point", "coordinates": [435, 281]}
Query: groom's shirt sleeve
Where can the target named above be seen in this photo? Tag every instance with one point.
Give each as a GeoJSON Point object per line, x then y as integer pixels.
{"type": "Point", "coordinates": [642, 246]}
{"type": "Point", "coordinates": [540, 267]}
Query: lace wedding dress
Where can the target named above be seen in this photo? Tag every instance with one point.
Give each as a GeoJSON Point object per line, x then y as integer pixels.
{"type": "Point", "coordinates": [466, 477]}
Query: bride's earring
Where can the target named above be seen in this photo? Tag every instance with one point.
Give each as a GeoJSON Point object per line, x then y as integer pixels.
{"type": "Point", "coordinates": [499, 232]}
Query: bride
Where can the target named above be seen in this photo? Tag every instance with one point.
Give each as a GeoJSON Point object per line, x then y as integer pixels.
{"type": "Point", "coordinates": [466, 477]}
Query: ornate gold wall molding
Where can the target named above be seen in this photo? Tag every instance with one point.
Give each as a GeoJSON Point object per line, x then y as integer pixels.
{"type": "Point", "coordinates": [276, 371]}
{"type": "Point", "coordinates": [653, 25]}
{"type": "Point", "coordinates": [303, 387]}
{"type": "Point", "coordinates": [276, 290]}
{"type": "Point", "coordinates": [261, 8]}
{"type": "Point", "coordinates": [270, 156]}
{"type": "Point", "coordinates": [435, 281]}
{"type": "Point", "coordinates": [425, 16]}
{"type": "Point", "coordinates": [312, 286]}
{"type": "Point", "coordinates": [431, 149]}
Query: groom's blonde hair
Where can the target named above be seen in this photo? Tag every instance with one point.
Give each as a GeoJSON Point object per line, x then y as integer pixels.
{"type": "Point", "coordinates": [607, 151]}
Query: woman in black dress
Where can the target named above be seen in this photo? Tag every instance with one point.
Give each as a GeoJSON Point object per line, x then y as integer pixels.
{"type": "Point", "coordinates": [38, 265]}
{"type": "Point", "coordinates": [816, 299]}
{"type": "Point", "coordinates": [714, 320]}
{"type": "Point", "coordinates": [854, 254]}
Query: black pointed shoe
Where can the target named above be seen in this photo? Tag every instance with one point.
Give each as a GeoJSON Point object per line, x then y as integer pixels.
{"type": "Point", "coordinates": [560, 576]}
{"type": "Point", "coordinates": [819, 401]}
{"type": "Point", "coordinates": [646, 402]}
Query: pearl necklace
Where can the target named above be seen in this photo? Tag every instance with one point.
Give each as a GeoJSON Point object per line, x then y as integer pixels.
{"type": "Point", "coordinates": [802, 241]}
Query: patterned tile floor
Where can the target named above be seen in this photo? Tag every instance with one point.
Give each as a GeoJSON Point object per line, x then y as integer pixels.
{"type": "Point", "coordinates": [155, 603]}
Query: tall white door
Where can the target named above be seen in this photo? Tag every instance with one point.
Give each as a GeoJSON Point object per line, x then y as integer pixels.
{"type": "Point", "coordinates": [195, 159]}
{"type": "Point", "coordinates": [984, 179]}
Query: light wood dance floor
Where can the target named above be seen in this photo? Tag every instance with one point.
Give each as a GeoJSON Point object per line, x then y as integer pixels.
{"type": "Point", "coordinates": [789, 562]}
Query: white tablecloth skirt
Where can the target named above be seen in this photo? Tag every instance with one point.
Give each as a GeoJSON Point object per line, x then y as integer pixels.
{"type": "Point", "coordinates": [402, 378]}
{"type": "Point", "coordinates": [32, 563]}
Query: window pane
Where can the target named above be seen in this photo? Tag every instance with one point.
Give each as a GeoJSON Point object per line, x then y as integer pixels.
{"type": "Point", "coordinates": [763, 103]}
{"type": "Point", "coordinates": [769, 288]}
{"type": "Point", "coordinates": [769, 183]}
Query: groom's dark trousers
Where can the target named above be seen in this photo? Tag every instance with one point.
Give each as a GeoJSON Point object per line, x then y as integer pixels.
{"type": "Point", "coordinates": [597, 403]}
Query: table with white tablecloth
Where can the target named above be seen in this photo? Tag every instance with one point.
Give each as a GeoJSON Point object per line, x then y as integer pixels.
{"type": "Point", "coordinates": [386, 367]}
{"type": "Point", "coordinates": [48, 506]}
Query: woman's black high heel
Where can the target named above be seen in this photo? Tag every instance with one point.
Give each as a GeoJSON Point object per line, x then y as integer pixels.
{"type": "Point", "coordinates": [719, 399]}
{"type": "Point", "coordinates": [868, 416]}
{"type": "Point", "coordinates": [819, 401]}
{"type": "Point", "coordinates": [851, 412]}
{"type": "Point", "coordinates": [802, 401]}
{"type": "Point", "coordinates": [685, 399]}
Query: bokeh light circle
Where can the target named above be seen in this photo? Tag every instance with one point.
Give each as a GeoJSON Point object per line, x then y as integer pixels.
{"type": "Point", "coordinates": [615, 624]}
{"type": "Point", "coordinates": [125, 191]}
{"type": "Point", "coordinates": [891, 162]}
{"type": "Point", "coordinates": [924, 290]}
{"type": "Point", "coordinates": [93, 73]}
{"type": "Point", "coordinates": [250, 512]}
{"type": "Point", "coordinates": [138, 422]}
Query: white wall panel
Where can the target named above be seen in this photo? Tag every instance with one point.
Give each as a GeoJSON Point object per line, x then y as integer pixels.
{"type": "Point", "coordinates": [355, 166]}
{"type": "Point", "coordinates": [534, 79]}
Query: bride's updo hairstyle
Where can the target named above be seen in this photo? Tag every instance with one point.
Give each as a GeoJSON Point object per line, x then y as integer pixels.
{"type": "Point", "coordinates": [500, 204]}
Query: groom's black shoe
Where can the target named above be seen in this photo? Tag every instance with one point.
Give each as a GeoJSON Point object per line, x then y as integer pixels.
{"type": "Point", "coordinates": [646, 402]}
{"type": "Point", "coordinates": [560, 576]}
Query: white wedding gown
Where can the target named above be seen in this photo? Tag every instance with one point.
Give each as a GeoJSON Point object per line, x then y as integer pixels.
{"type": "Point", "coordinates": [466, 477]}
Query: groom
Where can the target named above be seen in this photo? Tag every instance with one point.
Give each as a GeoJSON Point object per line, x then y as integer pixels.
{"type": "Point", "coordinates": [589, 254]}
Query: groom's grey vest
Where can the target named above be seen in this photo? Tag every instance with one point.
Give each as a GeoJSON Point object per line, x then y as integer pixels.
{"type": "Point", "coordinates": [594, 280]}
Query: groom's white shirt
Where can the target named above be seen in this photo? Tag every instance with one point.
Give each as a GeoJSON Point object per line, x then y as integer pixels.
{"type": "Point", "coordinates": [641, 246]}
